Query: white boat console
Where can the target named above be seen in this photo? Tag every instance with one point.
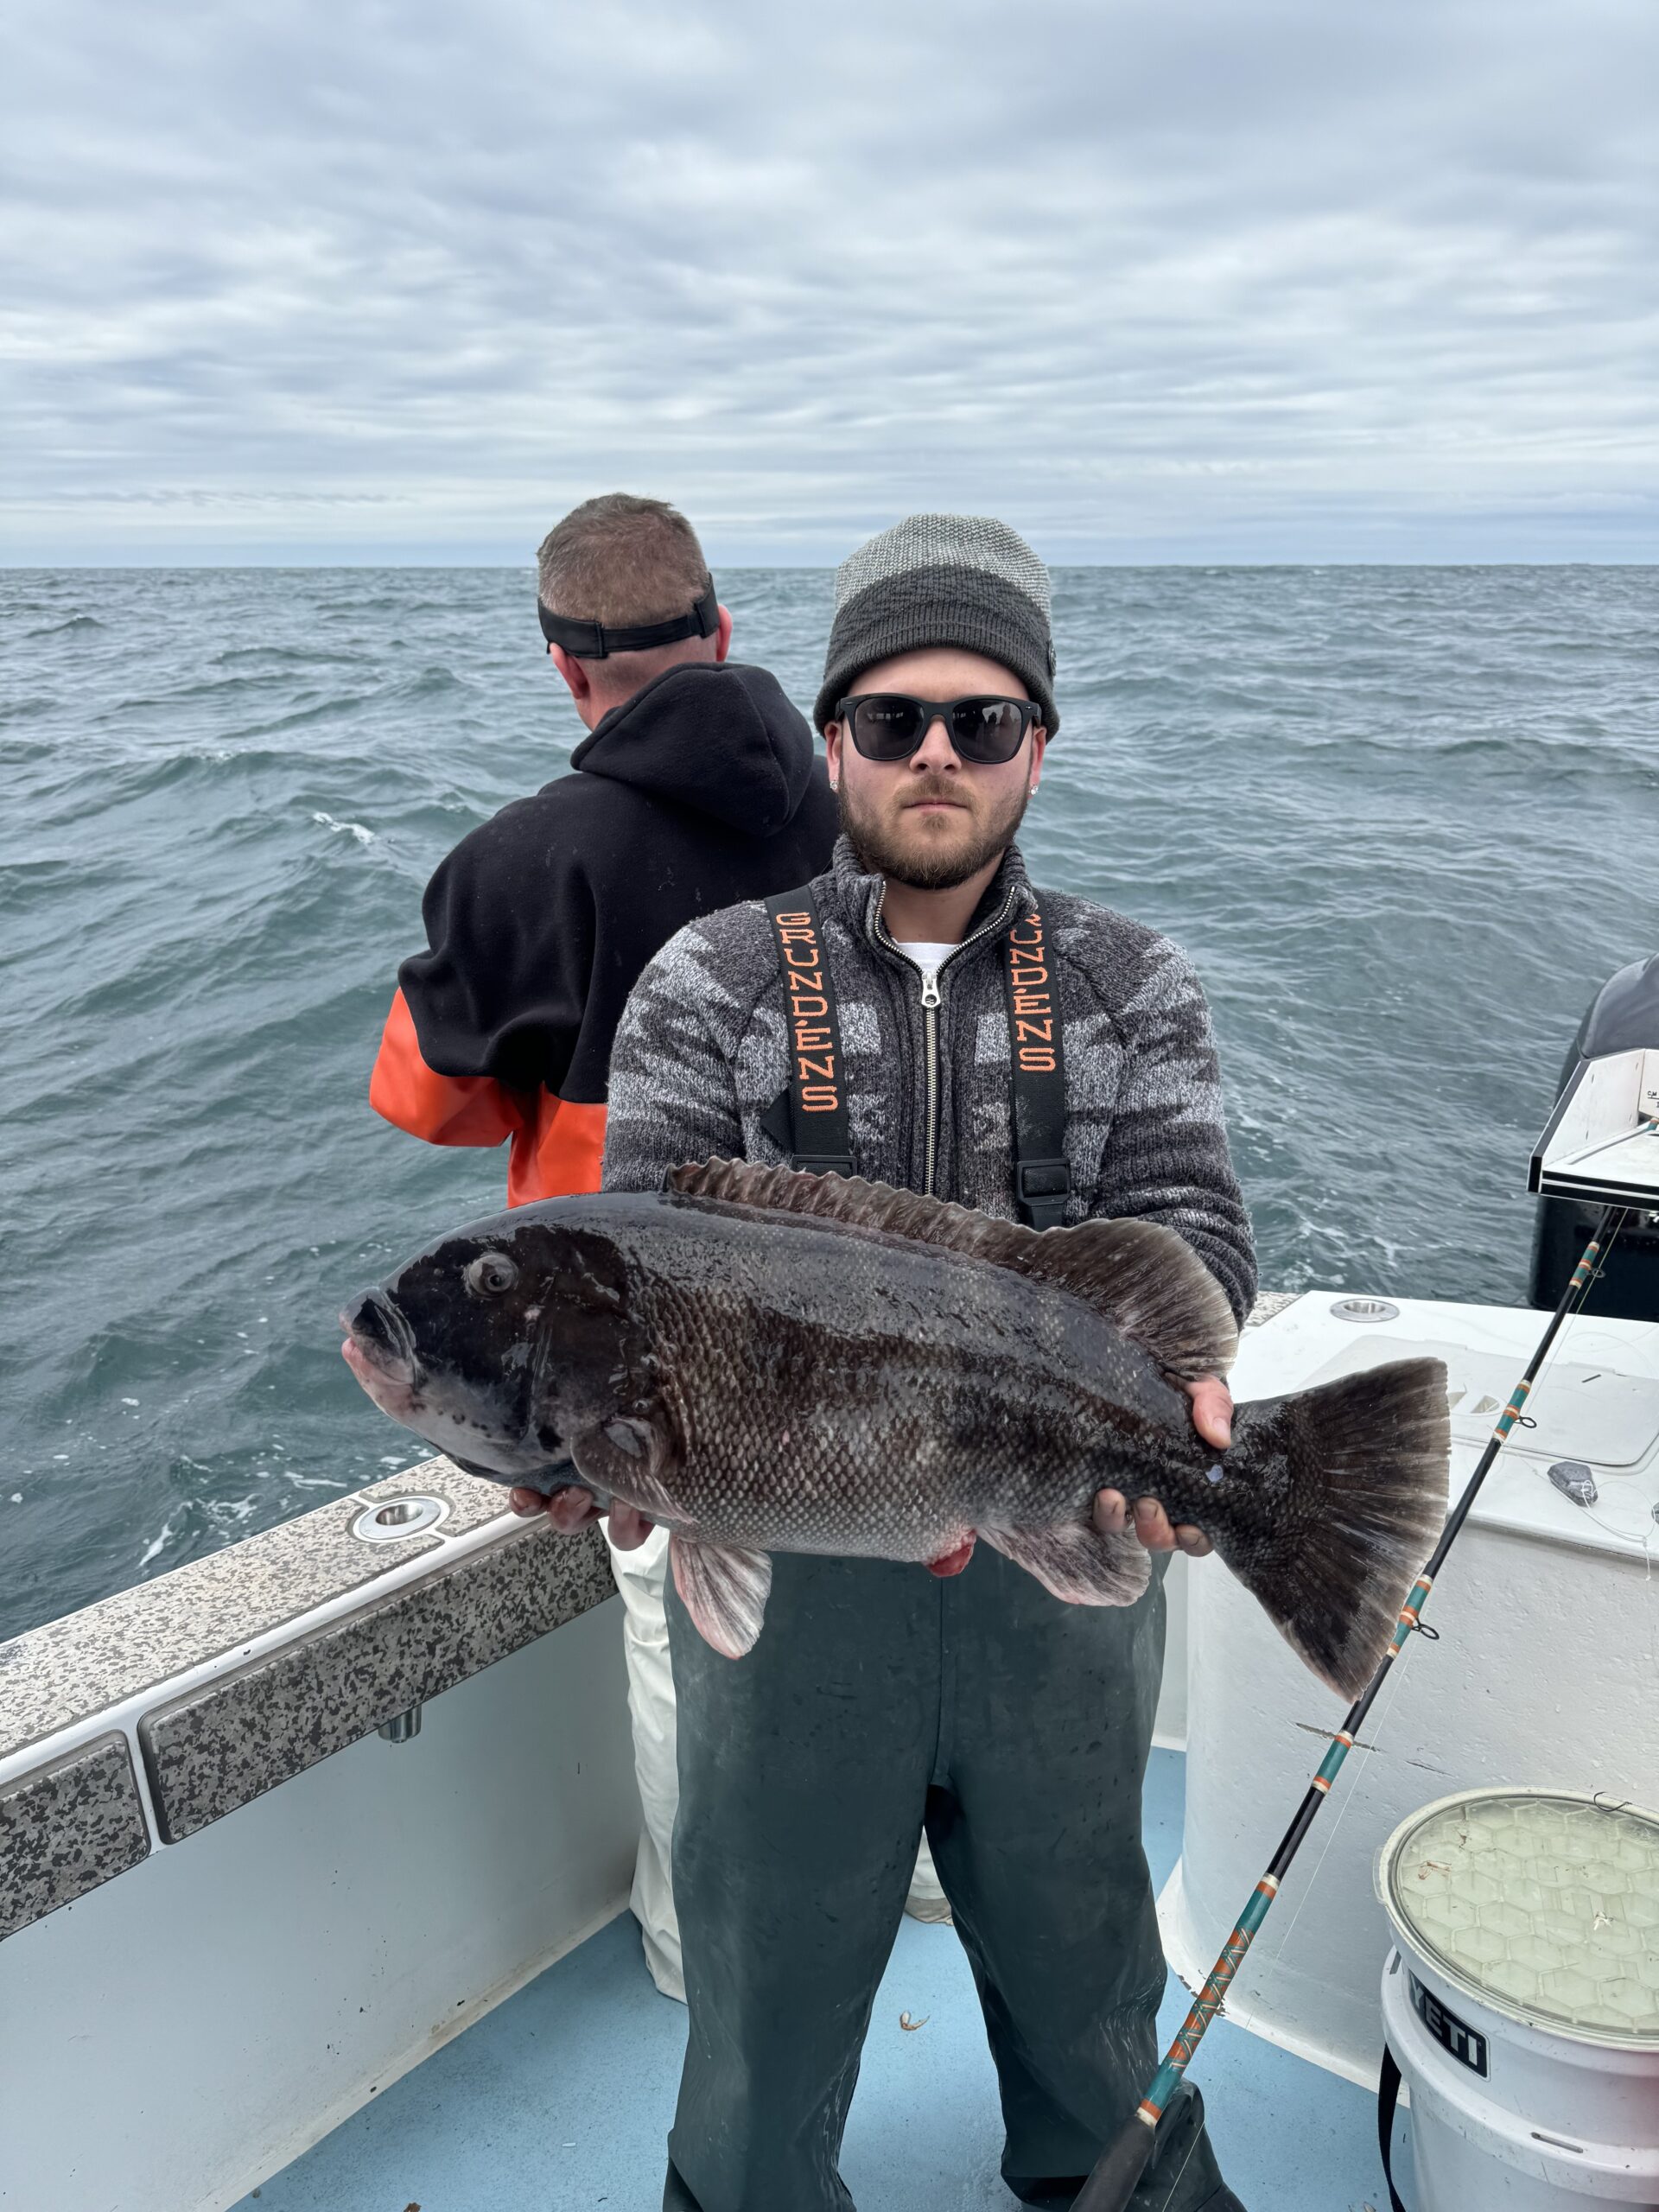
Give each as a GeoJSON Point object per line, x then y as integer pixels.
{"type": "Point", "coordinates": [1539, 1667]}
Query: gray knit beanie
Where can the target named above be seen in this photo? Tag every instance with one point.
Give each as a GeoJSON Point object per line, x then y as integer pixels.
{"type": "Point", "coordinates": [941, 579]}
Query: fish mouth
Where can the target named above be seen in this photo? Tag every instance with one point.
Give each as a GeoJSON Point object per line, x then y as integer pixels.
{"type": "Point", "coordinates": [379, 1349]}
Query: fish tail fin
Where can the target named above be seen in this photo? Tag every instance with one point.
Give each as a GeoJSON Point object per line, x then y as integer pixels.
{"type": "Point", "coordinates": [1352, 1475]}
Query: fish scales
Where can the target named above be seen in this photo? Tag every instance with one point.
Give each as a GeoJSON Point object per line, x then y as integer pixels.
{"type": "Point", "coordinates": [830, 1395]}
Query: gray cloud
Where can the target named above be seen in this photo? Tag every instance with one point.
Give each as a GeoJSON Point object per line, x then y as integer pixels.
{"type": "Point", "coordinates": [1160, 278]}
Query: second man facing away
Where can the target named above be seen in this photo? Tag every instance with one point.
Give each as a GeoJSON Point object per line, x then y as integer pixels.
{"type": "Point", "coordinates": [696, 787]}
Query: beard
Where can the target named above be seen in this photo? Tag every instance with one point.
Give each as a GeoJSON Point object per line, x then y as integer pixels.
{"type": "Point", "coordinates": [931, 853]}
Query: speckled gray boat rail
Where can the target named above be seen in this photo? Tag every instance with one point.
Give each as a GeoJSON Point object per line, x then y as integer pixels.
{"type": "Point", "coordinates": [67, 1826]}
{"type": "Point", "coordinates": [224, 1681]}
{"type": "Point", "coordinates": [195, 1674]}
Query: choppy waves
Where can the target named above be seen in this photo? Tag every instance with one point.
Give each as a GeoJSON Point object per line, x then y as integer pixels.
{"type": "Point", "coordinates": [1404, 819]}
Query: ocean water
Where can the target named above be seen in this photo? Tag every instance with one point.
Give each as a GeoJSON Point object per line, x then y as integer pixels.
{"type": "Point", "coordinates": [1405, 820]}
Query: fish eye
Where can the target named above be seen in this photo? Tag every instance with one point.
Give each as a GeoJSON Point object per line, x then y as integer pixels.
{"type": "Point", "coordinates": [490, 1276]}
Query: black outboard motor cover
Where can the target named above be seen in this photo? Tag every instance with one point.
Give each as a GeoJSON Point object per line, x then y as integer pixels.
{"type": "Point", "coordinates": [1623, 1017]}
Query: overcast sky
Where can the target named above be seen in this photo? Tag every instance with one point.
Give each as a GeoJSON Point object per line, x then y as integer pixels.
{"type": "Point", "coordinates": [1154, 279]}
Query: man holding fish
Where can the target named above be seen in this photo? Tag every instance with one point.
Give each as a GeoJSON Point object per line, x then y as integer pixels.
{"type": "Point", "coordinates": [880, 1697]}
{"type": "Point", "coordinates": [896, 1438]}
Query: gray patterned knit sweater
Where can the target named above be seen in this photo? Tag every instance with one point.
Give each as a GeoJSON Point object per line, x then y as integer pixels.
{"type": "Point", "coordinates": [700, 1055]}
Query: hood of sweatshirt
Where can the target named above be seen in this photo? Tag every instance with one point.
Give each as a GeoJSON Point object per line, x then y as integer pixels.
{"type": "Point", "coordinates": [721, 739]}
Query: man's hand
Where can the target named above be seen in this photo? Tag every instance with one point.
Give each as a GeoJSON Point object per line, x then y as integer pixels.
{"type": "Point", "coordinates": [1212, 1416]}
{"type": "Point", "coordinates": [573, 1508]}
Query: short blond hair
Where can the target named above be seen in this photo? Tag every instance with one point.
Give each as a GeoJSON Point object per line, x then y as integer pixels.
{"type": "Point", "coordinates": [619, 560]}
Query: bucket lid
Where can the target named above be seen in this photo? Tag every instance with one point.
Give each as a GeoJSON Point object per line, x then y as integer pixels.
{"type": "Point", "coordinates": [1543, 1904]}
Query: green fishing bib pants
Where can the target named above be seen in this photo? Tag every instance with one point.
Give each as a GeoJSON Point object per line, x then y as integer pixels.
{"type": "Point", "coordinates": [880, 1698]}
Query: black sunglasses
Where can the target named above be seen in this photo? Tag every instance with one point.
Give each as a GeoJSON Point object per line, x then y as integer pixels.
{"type": "Point", "coordinates": [888, 726]}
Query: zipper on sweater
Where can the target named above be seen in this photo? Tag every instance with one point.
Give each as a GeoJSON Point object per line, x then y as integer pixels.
{"type": "Point", "coordinates": [933, 1000]}
{"type": "Point", "coordinates": [931, 1052]}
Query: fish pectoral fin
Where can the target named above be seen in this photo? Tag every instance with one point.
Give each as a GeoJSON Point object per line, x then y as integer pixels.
{"type": "Point", "coordinates": [724, 1589]}
{"type": "Point", "coordinates": [1074, 1561]}
{"type": "Point", "coordinates": [630, 1458]}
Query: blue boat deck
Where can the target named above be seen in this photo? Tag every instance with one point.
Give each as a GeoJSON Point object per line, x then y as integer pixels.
{"type": "Point", "coordinates": [560, 2099]}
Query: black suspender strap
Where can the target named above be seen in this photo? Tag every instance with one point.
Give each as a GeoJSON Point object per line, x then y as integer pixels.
{"type": "Point", "coordinates": [819, 1140]}
{"type": "Point", "coordinates": [1387, 2094]}
{"type": "Point", "coordinates": [809, 1121]}
{"type": "Point", "coordinates": [1042, 1180]}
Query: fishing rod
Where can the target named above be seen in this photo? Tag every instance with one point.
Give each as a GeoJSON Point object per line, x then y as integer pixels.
{"type": "Point", "coordinates": [1111, 2184]}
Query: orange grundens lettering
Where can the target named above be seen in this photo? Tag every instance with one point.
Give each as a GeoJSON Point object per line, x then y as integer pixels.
{"type": "Point", "coordinates": [1033, 1005]}
{"type": "Point", "coordinates": [812, 1053]}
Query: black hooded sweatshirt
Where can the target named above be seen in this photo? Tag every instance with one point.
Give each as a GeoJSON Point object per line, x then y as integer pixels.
{"type": "Point", "coordinates": [701, 790]}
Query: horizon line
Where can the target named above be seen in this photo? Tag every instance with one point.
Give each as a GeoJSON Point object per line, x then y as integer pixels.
{"type": "Point", "coordinates": [815, 567]}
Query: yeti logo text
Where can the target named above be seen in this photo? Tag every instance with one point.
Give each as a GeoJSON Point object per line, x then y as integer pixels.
{"type": "Point", "coordinates": [1032, 1000]}
{"type": "Point", "coordinates": [812, 1048]}
{"type": "Point", "coordinates": [1466, 2044]}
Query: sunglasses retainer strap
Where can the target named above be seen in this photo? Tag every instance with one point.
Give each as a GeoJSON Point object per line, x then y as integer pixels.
{"type": "Point", "coordinates": [593, 641]}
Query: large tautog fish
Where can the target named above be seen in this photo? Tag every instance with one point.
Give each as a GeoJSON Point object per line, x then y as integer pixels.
{"type": "Point", "coordinates": [765, 1360]}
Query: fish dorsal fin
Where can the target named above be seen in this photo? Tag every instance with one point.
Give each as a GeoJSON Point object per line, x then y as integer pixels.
{"type": "Point", "coordinates": [1141, 1277]}
{"type": "Point", "coordinates": [855, 1203]}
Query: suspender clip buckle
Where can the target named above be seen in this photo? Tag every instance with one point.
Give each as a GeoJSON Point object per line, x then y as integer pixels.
{"type": "Point", "coordinates": [1042, 1178]}
{"type": "Point", "coordinates": [1041, 1188]}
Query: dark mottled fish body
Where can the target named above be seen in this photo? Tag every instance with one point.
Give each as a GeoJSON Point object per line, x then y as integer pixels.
{"type": "Point", "coordinates": [767, 1361]}
{"type": "Point", "coordinates": [880, 1399]}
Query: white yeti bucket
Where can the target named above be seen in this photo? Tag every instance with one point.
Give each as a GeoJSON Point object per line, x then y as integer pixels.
{"type": "Point", "coordinates": [1522, 2004]}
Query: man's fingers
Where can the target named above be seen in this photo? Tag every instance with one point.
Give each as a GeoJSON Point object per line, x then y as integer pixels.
{"type": "Point", "coordinates": [565, 1509]}
{"type": "Point", "coordinates": [573, 1509]}
{"type": "Point", "coordinates": [1212, 1417]}
{"type": "Point", "coordinates": [1149, 1520]}
{"type": "Point", "coordinates": [1111, 1510]}
{"type": "Point", "coordinates": [1213, 1410]}
{"type": "Point", "coordinates": [1152, 1525]}
{"type": "Point", "coordinates": [629, 1529]}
